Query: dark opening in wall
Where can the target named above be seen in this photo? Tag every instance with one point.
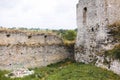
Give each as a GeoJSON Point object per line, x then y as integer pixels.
{"type": "Point", "coordinates": [84, 15]}
{"type": "Point", "coordinates": [10, 64]}
{"type": "Point", "coordinates": [91, 46]}
{"type": "Point", "coordinates": [85, 9]}
{"type": "Point", "coordinates": [92, 29]}
{"type": "Point", "coordinates": [21, 53]}
{"type": "Point", "coordinates": [29, 36]}
{"type": "Point", "coordinates": [45, 36]}
{"type": "Point", "coordinates": [8, 35]}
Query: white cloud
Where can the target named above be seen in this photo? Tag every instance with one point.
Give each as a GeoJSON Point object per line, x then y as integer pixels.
{"type": "Point", "coordinates": [38, 13]}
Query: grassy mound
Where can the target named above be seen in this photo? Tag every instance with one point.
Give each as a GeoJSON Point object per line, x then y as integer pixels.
{"type": "Point", "coordinates": [68, 70]}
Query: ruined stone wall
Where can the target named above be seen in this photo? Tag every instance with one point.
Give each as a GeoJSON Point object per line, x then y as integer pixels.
{"type": "Point", "coordinates": [26, 49]}
{"type": "Point", "coordinates": [86, 21]}
{"type": "Point", "coordinates": [93, 18]}
{"type": "Point", "coordinates": [113, 10]}
{"type": "Point", "coordinates": [94, 38]}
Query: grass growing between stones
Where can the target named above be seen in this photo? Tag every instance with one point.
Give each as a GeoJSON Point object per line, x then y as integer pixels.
{"type": "Point", "coordinates": [114, 53]}
{"type": "Point", "coordinates": [115, 30]}
{"type": "Point", "coordinates": [67, 70]}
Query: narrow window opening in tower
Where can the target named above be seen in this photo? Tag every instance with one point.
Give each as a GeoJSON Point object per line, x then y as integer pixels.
{"type": "Point", "coordinates": [92, 29]}
{"type": "Point", "coordinates": [84, 15]}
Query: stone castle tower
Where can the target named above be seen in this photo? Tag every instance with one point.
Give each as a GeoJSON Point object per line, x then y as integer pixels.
{"type": "Point", "coordinates": [93, 18]}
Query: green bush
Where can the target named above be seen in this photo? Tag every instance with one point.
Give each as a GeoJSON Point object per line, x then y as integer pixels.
{"type": "Point", "coordinates": [69, 35]}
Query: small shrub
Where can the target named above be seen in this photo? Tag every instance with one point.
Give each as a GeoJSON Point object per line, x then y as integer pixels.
{"type": "Point", "coordinates": [115, 30]}
{"type": "Point", "coordinates": [114, 53]}
{"type": "Point", "coordinates": [69, 35]}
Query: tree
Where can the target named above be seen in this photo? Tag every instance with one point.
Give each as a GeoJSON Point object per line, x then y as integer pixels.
{"type": "Point", "coordinates": [70, 35]}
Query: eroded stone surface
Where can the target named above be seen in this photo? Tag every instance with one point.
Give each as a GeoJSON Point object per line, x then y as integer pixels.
{"type": "Point", "coordinates": [93, 37]}
{"type": "Point", "coordinates": [93, 18]}
{"type": "Point", "coordinates": [25, 49]}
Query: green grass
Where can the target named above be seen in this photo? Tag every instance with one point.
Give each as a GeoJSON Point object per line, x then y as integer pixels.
{"type": "Point", "coordinates": [68, 70]}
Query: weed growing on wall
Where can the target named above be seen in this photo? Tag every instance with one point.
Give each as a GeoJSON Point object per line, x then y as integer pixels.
{"type": "Point", "coordinates": [114, 53]}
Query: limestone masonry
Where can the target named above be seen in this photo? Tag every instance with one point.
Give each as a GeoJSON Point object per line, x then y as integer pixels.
{"type": "Point", "coordinates": [93, 18]}
{"type": "Point", "coordinates": [26, 49]}
{"type": "Point", "coordinates": [93, 37]}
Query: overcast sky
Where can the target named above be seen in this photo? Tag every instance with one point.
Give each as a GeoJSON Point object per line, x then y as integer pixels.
{"type": "Point", "coordinates": [52, 14]}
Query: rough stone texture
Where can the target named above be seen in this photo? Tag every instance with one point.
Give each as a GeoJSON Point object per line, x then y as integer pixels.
{"type": "Point", "coordinates": [108, 63]}
{"type": "Point", "coordinates": [93, 38]}
{"type": "Point", "coordinates": [93, 18]}
{"type": "Point", "coordinates": [22, 49]}
{"type": "Point", "coordinates": [115, 66]}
